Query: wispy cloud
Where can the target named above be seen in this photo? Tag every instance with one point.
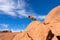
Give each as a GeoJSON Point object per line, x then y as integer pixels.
{"type": "Point", "coordinates": [17, 30]}
{"type": "Point", "coordinates": [4, 25]}
{"type": "Point", "coordinates": [23, 13]}
{"type": "Point", "coordinates": [7, 7]}
{"type": "Point", "coordinates": [18, 9]}
{"type": "Point", "coordinates": [42, 17]}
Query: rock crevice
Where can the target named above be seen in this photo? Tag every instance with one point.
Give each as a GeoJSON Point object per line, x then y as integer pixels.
{"type": "Point", "coordinates": [29, 36]}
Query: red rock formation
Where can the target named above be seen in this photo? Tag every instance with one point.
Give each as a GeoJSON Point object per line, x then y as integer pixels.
{"type": "Point", "coordinates": [54, 14]}
{"type": "Point", "coordinates": [5, 35]}
{"type": "Point", "coordinates": [53, 20]}
{"type": "Point", "coordinates": [47, 30]}
{"type": "Point", "coordinates": [35, 31]}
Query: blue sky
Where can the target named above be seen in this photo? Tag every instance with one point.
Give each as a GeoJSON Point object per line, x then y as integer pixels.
{"type": "Point", "coordinates": [14, 13]}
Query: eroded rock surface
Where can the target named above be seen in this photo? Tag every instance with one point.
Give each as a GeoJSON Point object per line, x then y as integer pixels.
{"type": "Point", "coordinates": [7, 35]}
{"type": "Point", "coordinates": [53, 15]}
{"type": "Point", "coordinates": [35, 32]}
{"type": "Point", "coordinates": [47, 30]}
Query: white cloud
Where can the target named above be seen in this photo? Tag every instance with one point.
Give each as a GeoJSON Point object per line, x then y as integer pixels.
{"type": "Point", "coordinates": [7, 7]}
{"type": "Point", "coordinates": [4, 29]}
{"type": "Point", "coordinates": [21, 4]}
{"type": "Point", "coordinates": [41, 17]}
{"type": "Point", "coordinates": [17, 30]}
{"type": "Point", "coordinates": [23, 13]}
{"type": "Point", "coordinates": [10, 8]}
{"type": "Point", "coordinates": [4, 25]}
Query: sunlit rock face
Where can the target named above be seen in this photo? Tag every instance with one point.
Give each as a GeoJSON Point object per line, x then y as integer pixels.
{"type": "Point", "coordinates": [53, 15]}
{"type": "Point", "coordinates": [40, 30]}
{"type": "Point", "coordinates": [35, 31]}
{"type": "Point", "coordinates": [53, 21]}
{"type": "Point", "coordinates": [7, 35]}
{"type": "Point", "coordinates": [47, 30]}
